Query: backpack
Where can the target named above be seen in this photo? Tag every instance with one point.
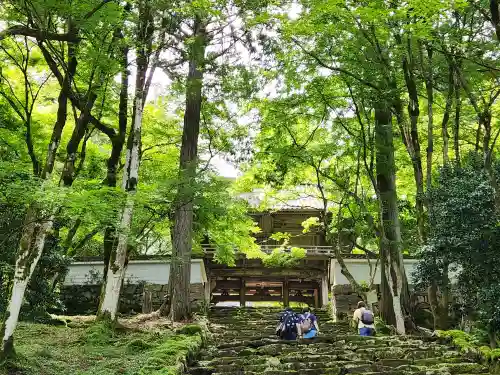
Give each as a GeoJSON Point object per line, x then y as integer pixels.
{"type": "Point", "coordinates": [287, 324]}
{"type": "Point", "coordinates": [367, 317]}
{"type": "Point", "coordinates": [306, 325]}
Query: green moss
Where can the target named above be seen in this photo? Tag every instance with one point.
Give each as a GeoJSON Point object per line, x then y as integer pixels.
{"type": "Point", "coordinates": [190, 329]}
{"type": "Point", "coordinates": [100, 350]}
{"type": "Point", "coordinates": [171, 356]}
{"type": "Point", "coordinates": [139, 345]}
{"type": "Point", "coordinates": [100, 333]}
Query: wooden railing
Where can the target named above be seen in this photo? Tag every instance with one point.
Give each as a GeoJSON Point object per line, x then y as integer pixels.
{"type": "Point", "coordinates": [268, 249]}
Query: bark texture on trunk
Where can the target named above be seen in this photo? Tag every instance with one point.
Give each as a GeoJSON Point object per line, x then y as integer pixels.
{"type": "Point", "coordinates": [117, 143]}
{"type": "Point", "coordinates": [180, 268]}
{"type": "Point", "coordinates": [391, 233]}
{"type": "Point", "coordinates": [492, 335]}
{"type": "Point", "coordinates": [68, 173]}
{"type": "Point", "coordinates": [446, 117]}
{"type": "Point", "coordinates": [117, 260]}
{"type": "Point", "coordinates": [117, 266]}
{"type": "Point", "coordinates": [30, 250]}
{"type": "Point", "coordinates": [456, 123]}
{"type": "Point", "coordinates": [410, 136]}
{"type": "Point", "coordinates": [62, 110]}
{"type": "Point", "coordinates": [108, 308]}
{"type": "Point", "coordinates": [429, 87]}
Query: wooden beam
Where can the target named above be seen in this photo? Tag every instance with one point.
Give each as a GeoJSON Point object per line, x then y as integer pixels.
{"type": "Point", "coordinates": [252, 298]}
{"type": "Point", "coordinates": [304, 285]}
{"type": "Point", "coordinates": [303, 274]}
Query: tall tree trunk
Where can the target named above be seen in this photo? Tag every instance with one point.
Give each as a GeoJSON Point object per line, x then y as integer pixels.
{"type": "Point", "coordinates": [391, 233]}
{"type": "Point", "coordinates": [410, 136]}
{"type": "Point", "coordinates": [492, 335]}
{"type": "Point", "coordinates": [117, 143]}
{"type": "Point", "coordinates": [485, 123]}
{"type": "Point", "coordinates": [118, 256]}
{"type": "Point", "coordinates": [68, 173]}
{"type": "Point", "coordinates": [30, 250]}
{"type": "Point", "coordinates": [446, 117]}
{"type": "Point", "coordinates": [412, 144]}
{"type": "Point", "coordinates": [456, 123]}
{"type": "Point", "coordinates": [180, 267]}
{"type": "Point", "coordinates": [109, 304]}
{"type": "Point", "coordinates": [429, 86]}
{"type": "Point", "coordinates": [444, 304]}
{"type": "Point", "coordinates": [62, 109]}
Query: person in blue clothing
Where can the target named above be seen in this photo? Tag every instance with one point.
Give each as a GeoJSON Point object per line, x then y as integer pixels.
{"type": "Point", "coordinates": [364, 319]}
{"type": "Point", "coordinates": [288, 325]}
{"type": "Point", "coordinates": [308, 324]}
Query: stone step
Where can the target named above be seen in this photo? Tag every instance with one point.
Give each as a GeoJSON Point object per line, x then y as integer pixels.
{"type": "Point", "coordinates": [330, 368]}
{"type": "Point", "coordinates": [422, 357]}
{"type": "Point", "coordinates": [244, 343]}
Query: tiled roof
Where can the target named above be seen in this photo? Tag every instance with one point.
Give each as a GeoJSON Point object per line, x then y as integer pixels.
{"type": "Point", "coordinates": [283, 200]}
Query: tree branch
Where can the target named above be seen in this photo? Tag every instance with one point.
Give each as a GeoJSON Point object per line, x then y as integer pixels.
{"type": "Point", "coordinates": [335, 69]}
{"type": "Point", "coordinates": [38, 34]}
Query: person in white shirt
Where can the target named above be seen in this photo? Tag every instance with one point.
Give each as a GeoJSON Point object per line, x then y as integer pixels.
{"type": "Point", "coordinates": [364, 319]}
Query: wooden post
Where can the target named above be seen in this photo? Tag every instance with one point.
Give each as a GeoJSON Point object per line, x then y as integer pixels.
{"type": "Point", "coordinates": [242, 293]}
{"type": "Point", "coordinates": [316, 299]}
{"type": "Point", "coordinates": [286, 293]}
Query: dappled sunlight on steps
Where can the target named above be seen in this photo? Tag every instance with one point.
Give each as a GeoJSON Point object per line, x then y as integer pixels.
{"type": "Point", "coordinates": [244, 344]}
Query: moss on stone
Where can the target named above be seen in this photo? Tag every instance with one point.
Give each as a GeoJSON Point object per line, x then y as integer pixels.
{"type": "Point", "coordinates": [170, 357]}
{"type": "Point", "coordinates": [190, 329]}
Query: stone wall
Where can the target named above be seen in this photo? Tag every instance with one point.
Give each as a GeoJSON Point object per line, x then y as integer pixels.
{"type": "Point", "coordinates": [346, 299]}
{"type": "Point", "coordinates": [84, 299]}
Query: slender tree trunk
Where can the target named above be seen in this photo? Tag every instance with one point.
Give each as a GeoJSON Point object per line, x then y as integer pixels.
{"type": "Point", "coordinates": [492, 335]}
{"type": "Point", "coordinates": [180, 267]}
{"type": "Point", "coordinates": [485, 123]}
{"type": "Point", "coordinates": [68, 173]}
{"type": "Point", "coordinates": [412, 144]}
{"type": "Point", "coordinates": [410, 136]}
{"type": "Point", "coordinates": [109, 304]}
{"type": "Point", "coordinates": [445, 300]}
{"type": "Point", "coordinates": [429, 86]}
{"type": "Point", "coordinates": [117, 262]}
{"type": "Point", "coordinates": [391, 234]}
{"type": "Point", "coordinates": [456, 124]}
{"type": "Point", "coordinates": [62, 111]}
{"type": "Point", "coordinates": [30, 250]}
{"type": "Point", "coordinates": [117, 143]}
{"type": "Point", "coordinates": [446, 117]}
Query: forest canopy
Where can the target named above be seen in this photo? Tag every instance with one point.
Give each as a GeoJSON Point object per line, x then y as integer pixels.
{"type": "Point", "coordinates": [113, 112]}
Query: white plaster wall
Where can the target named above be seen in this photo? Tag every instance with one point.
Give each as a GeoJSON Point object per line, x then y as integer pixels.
{"type": "Point", "coordinates": [360, 270]}
{"type": "Point", "coordinates": [150, 271]}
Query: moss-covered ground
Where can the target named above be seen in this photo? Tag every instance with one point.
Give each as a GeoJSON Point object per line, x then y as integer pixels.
{"type": "Point", "coordinates": [96, 349]}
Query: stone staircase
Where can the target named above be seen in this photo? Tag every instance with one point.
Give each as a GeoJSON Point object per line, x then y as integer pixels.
{"type": "Point", "coordinates": [244, 343]}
